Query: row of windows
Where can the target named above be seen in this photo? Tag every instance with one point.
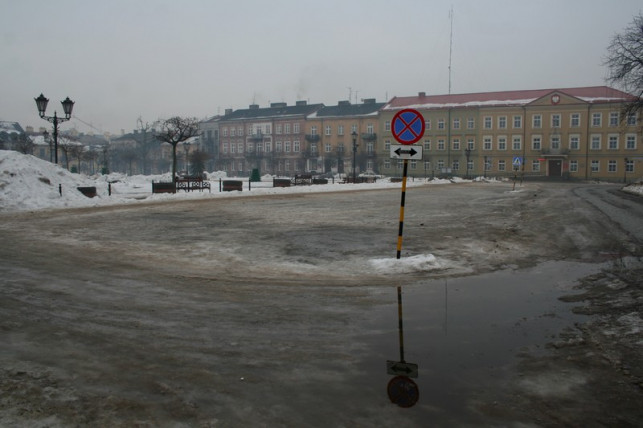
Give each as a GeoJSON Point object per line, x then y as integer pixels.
{"type": "Point", "coordinates": [504, 165]}
{"type": "Point", "coordinates": [555, 121]}
{"type": "Point", "coordinates": [502, 143]}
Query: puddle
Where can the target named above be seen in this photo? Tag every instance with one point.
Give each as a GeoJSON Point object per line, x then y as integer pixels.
{"type": "Point", "coordinates": [466, 334]}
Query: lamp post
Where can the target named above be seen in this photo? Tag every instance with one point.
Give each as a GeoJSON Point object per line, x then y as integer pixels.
{"type": "Point", "coordinates": [467, 153]}
{"type": "Point", "coordinates": [186, 146]}
{"type": "Point", "coordinates": [68, 105]}
{"type": "Point", "coordinates": [354, 135]}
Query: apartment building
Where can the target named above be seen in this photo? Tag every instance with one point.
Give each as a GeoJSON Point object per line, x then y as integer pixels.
{"type": "Point", "coordinates": [559, 133]}
{"type": "Point", "coordinates": [270, 139]}
{"type": "Point", "coordinates": [339, 136]}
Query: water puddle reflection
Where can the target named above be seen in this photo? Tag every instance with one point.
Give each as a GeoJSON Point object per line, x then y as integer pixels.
{"type": "Point", "coordinates": [465, 334]}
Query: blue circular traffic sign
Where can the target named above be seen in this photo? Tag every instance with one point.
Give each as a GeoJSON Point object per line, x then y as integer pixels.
{"type": "Point", "coordinates": [407, 126]}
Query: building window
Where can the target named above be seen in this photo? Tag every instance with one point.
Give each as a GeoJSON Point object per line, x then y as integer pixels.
{"type": "Point", "coordinates": [517, 122]}
{"type": "Point", "coordinates": [278, 129]}
{"type": "Point", "coordinates": [224, 132]}
{"type": "Point", "coordinates": [295, 128]}
{"type": "Point", "coordinates": [387, 125]}
{"type": "Point", "coordinates": [502, 143]}
{"type": "Point", "coordinates": [612, 142]}
{"type": "Point", "coordinates": [595, 166]}
{"type": "Point", "coordinates": [536, 142]}
{"type": "Point", "coordinates": [340, 129]}
{"type": "Point", "coordinates": [440, 123]}
{"type": "Point", "coordinates": [240, 147]}
{"type": "Point", "coordinates": [250, 147]}
{"type": "Point", "coordinates": [596, 119]}
{"type": "Point", "coordinates": [287, 146]}
{"type": "Point", "coordinates": [296, 147]}
{"type": "Point", "coordinates": [268, 147]}
{"type": "Point", "coordinates": [441, 145]}
{"type": "Point", "coordinates": [502, 122]}
{"type": "Point", "coordinates": [502, 165]}
{"type": "Point", "coordinates": [487, 122]}
{"type": "Point", "coordinates": [353, 128]}
{"type": "Point", "coordinates": [327, 147]}
{"type": "Point", "coordinates": [574, 142]}
{"type": "Point", "coordinates": [486, 143]}
{"type": "Point", "coordinates": [456, 123]}
{"type": "Point", "coordinates": [340, 147]}
{"type": "Point", "coordinates": [313, 130]}
{"type": "Point", "coordinates": [537, 121]}
{"type": "Point", "coordinates": [225, 148]}
{"type": "Point", "coordinates": [387, 164]}
{"type": "Point", "coordinates": [427, 124]}
{"type": "Point", "coordinates": [287, 128]}
{"type": "Point", "coordinates": [555, 121]}
{"type": "Point", "coordinates": [516, 143]}
{"type": "Point", "coordinates": [631, 119]}
{"type": "Point", "coordinates": [471, 144]}
{"type": "Point", "coordinates": [614, 118]}
{"type": "Point", "coordinates": [427, 166]}
{"type": "Point", "coordinates": [286, 165]}
{"type": "Point", "coordinates": [535, 165]}
{"type": "Point", "coordinates": [440, 165]}
{"type": "Point", "coordinates": [328, 129]}
{"type": "Point", "coordinates": [595, 142]}
{"type": "Point", "coordinates": [370, 148]}
{"type": "Point", "coordinates": [555, 142]}
{"type": "Point", "coordinates": [278, 146]}
{"type": "Point", "coordinates": [630, 141]}
{"type": "Point", "coordinates": [471, 123]}
{"type": "Point", "coordinates": [574, 121]}
{"type": "Point", "coordinates": [456, 165]}
{"type": "Point", "coordinates": [369, 128]}
{"type": "Point", "coordinates": [629, 165]}
{"type": "Point", "coordinates": [414, 164]}
{"type": "Point", "coordinates": [456, 144]}
{"type": "Point", "coordinates": [387, 145]}
{"type": "Point", "coordinates": [611, 166]}
{"type": "Point", "coordinates": [427, 145]}
{"type": "Point", "coordinates": [573, 166]}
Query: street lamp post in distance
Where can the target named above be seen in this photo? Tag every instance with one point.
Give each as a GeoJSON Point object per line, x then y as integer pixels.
{"type": "Point", "coordinates": [68, 105]}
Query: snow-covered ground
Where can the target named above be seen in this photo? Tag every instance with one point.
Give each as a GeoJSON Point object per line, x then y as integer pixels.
{"type": "Point", "coordinates": [28, 183]}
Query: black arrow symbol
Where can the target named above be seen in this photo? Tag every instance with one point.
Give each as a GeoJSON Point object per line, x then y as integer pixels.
{"type": "Point", "coordinates": [399, 152]}
{"type": "Point", "coordinates": [400, 369]}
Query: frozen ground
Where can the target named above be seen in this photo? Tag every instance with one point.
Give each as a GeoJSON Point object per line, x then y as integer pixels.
{"type": "Point", "coordinates": [280, 310]}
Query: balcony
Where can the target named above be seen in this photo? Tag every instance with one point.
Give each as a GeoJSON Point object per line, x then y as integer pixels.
{"type": "Point", "coordinates": [256, 137]}
{"type": "Point", "coordinates": [312, 138]}
{"type": "Point", "coordinates": [369, 136]}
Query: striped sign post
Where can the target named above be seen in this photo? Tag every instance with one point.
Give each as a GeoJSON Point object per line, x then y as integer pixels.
{"type": "Point", "coordinates": [407, 127]}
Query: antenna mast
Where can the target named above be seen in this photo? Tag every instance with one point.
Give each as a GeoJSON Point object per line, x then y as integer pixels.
{"type": "Point", "coordinates": [450, 46]}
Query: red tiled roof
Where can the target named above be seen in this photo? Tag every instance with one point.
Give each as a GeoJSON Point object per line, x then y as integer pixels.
{"type": "Point", "coordinates": [589, 94]}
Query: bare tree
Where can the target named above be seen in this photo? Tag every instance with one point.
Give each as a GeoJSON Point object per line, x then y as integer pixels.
{"type": "Point", "coordinates": [176, 130]}
{"type": "Point", "coordinates": [625, 63]}
{"type": "Point", "coordinates": [24, 144]}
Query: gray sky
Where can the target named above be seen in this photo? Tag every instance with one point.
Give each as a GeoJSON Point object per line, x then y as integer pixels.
{"type": "Point", "coordinates": [124, 59]}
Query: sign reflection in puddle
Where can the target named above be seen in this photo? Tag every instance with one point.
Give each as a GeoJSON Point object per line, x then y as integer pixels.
{"type": "Point", "coordinates": [464, 334]}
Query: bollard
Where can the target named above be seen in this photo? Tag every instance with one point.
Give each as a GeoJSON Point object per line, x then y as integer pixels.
{"type": "Point", "coordinates": [109, 189]}
{"type": "Point", "coordinates": [60, 189]}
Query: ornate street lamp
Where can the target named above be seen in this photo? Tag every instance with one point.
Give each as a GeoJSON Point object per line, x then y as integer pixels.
{"type": "Point", "coordinates": [68, 105]}
{"type": "Point", "coordinates": [354, 135]}
{"type": "Point", "coordinates": [467, 153]}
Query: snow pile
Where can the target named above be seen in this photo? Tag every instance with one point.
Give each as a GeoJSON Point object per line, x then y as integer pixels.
{"type": "Point", "coordinates": [418, 263]}
{"type": "Point", "coordinates": [635, 189]}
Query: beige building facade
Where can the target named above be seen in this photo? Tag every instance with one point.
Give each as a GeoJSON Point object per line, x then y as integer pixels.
{"type": "Point", "coordinates": [576, 133]}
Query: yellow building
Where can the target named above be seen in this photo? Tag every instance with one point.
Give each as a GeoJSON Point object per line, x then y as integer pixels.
{"type": "Point", "coordinates": [559, 133]}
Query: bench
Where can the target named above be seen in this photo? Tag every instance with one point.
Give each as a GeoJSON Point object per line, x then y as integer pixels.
{"type": "Point", "coordinates": [192, 183]}
{"type": "Point", "coordinates": [302, 179]}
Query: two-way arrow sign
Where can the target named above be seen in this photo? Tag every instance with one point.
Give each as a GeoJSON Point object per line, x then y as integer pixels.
{"type": "Point", "coordinates": [399, 151]}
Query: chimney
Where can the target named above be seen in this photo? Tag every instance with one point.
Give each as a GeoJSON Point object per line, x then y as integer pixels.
{"type": "Point", "coordinates": [254, 107]}
{"type": "Point", "coordinates": [301, 103]}
{"type": "Point", "coordinates": [369, 101]}
{"type": "Point", "coordinates": [421, 94]}
{"type": "Point", "coordinates": [278, 105]}
{"type": "Point", "coordinates": [343, 103]}
{"type": "Point", "coordinates": [228, 111]}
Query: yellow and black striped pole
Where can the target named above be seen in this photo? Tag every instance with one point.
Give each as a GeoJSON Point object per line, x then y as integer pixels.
{"type": "Point", "coordinates": [401, 228]}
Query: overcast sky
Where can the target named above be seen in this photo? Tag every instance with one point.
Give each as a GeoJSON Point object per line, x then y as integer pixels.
{"type": "Point", "coordinates": [124, 59]}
